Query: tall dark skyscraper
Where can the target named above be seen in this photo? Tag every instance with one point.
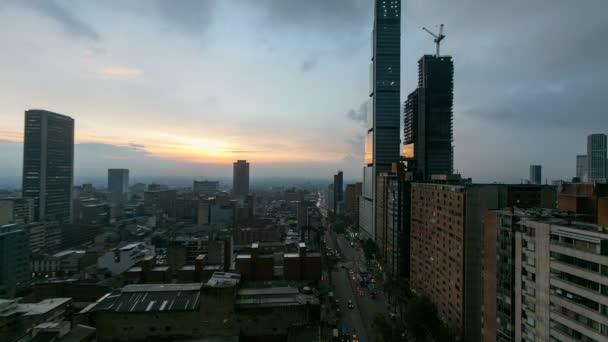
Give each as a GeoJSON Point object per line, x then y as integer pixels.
{"type": "Point", "coordinates": [382, 134]}
{"type": "Point", "coordinates": [48, 164]}
{"type": "Point", "coordinates": [118, 185]}
{"type": "Point", "coordinates": [338, 191]}
{"type": "Point", "coordinates": [240, 178]}
{"type": "Point", "coordinates": [536, 174]}
{"type": "Point", "coordinates": [427, 145]}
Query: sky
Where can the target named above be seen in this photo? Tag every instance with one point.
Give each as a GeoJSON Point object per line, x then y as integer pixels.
{"type": "Point", "coordinates": [184, 88]}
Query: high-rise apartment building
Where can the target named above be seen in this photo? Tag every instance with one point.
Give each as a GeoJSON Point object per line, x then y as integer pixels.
{"type": "Point", "coordinates": [338, 192]}
{"type": "Point", "coordinates": [536, 174]}
{"type": "Point", "coordinates": [382, 135]}
{"type": "Point", "coordinates": [14, 260]}
{"type": "Point", "coordinates": [118, 185]}
{"type": "Point", "coordinates": [240, 178]}
{"type": "Point", "coordinates": [596, 158]}
{"type": "Point", "coordinates": [582, 167]}
{"type": "Point", "coordinates": [447, 242]}
{"type": "Point", "coordinates": [48, 164]}
{"type": "Point", "coordinates": [427, 145]}
{"type": "Point", "coordinates": [549, 278]}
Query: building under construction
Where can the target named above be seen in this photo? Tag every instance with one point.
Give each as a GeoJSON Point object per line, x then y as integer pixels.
{"type": "Point", "coordinates": [427, 145]}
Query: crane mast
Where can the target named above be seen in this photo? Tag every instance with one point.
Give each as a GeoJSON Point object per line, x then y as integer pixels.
{"type": "Point", "coordinates": [437, 37]}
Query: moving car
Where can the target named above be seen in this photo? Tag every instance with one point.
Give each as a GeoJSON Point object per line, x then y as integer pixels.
{"type": "Point", "coordinates": [350, 304]}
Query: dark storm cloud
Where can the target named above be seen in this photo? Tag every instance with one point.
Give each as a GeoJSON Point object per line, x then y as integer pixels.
{"type": "Point", "coordinates": [522, 63]}
{"type": "Point", "coordinates": [359, 114]}
{"type": "Point", "coordinates": [63, 16]}
{"type": "Point", "coordinates": [342, 15]}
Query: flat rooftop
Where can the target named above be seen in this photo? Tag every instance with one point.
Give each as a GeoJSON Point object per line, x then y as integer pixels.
{"type": "Point", "coordinates": [224, 279]}
{"type": "Point", "coordinates": [130, 246]}
{"type": "Point", "coordinates": [150, 298]}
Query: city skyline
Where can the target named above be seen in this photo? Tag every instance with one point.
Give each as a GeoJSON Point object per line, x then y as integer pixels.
{"type": "Point", "coordinates": [196, 128]}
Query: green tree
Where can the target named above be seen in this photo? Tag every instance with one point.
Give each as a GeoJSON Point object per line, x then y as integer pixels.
{"type": "Point", "coordinates": [387, 331]}
{"type": "Point", "coordinates": [423, 323]}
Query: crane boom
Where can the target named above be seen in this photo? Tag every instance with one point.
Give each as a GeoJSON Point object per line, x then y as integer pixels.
{"type": "Point", "coordinates": [429, 32]}
{"type": "Point", "coordinates": [438, 38]}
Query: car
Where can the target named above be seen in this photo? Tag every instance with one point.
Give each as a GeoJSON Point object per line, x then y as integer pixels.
{"type": "Point", "coordinates": [392, 315]}
{"type": "Point", "coordinates": [351, 306]}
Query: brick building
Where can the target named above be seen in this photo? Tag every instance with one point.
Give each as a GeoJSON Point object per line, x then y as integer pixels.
{"type": "Point", "coordinates": [586, 200]}
{"type": "Point", "coordinates": [447, 243]}
{"type": "Point", "coordinates": [300, 266]}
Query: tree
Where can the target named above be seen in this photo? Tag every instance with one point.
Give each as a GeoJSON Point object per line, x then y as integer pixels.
{"type": "Point", "coordinates": [369, 249]}
{"type": "Point", "coordinates": [423, 323]}
{"type": "Point", "coordinates": [386, 330]}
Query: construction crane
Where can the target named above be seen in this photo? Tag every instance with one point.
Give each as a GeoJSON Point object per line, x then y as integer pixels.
{"type": "Point", "coordinates": [438, 37]}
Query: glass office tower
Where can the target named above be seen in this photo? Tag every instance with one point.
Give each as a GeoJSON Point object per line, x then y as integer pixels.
{"type": "Point", "coordinates": [118, 185]}
{"type": "Point", "coordinates": [383, 119]}
{"type": "Point", "coordinates": [48, 164]}
{"type": "Point", "coordinates": [597, 158]}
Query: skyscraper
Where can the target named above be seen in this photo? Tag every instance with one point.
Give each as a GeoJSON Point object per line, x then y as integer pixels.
{"type": "Point", "coordinates": [48, 164]}
{"type": "Point", "coordinates": [338, 191]}
{"type": "Point", "coordinates": [536, 174]}
{"type": "Point", "coordinates": [240, 178]}
{"type": "Point", "coordinates": [581, 167]}
{"type": "Point", "coordinates": [596, 158]}
{"type": "Point", "coordinates": [427, 145]}
{"type": "Point", "coordinates": [118, 185]}
{"type": "Point", "coordinates": [382, 134]}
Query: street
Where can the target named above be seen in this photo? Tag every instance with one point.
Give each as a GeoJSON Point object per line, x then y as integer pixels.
{"type": "Point", "coordinates": [358, 320]}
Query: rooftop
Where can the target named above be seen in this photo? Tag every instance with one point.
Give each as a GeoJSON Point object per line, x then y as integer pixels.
{"type": "Point", "coordinates": [224, 279]}
{"type": "Point", "coordinates": [150, 298]}
{"type": "Point", "coordinates": [130, 246]}
{"type": "Point", "coordinates": [10, 307]}
{"type": "Point", "coordinates": [273, 296]}
{"type": "Point", "coordinates": [68, 252]}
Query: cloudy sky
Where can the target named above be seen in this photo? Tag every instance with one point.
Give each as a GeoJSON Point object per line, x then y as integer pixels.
{"type": "Point", "coordinates": [186, 87]}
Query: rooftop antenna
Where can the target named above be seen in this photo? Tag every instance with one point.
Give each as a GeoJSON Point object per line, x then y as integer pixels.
{"type": "Point", "coordinates": [438, 37]}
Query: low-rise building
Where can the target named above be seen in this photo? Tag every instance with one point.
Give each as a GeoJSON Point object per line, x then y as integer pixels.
{"type": "Point", "coordinates": [64, 262]}
{"type": "Point", "coordinates": [299, 266]}
{"type": "Point", "coordinates": [17, 319]}
{"type": "Point", "coordinates": [267, 313]}
{"type": "Point", "coordinates": [165, 311]}
{"type": "Point", "coordinates": [121, 259]}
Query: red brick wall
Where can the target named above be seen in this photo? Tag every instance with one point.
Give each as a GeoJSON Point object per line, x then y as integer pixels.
{"type": "Point", "coordinates": [437, 249]}
{"type": "Point", "coordinates": [312, 268]}
{"type": "Point", "coordinates": [244, 267]}
{"type": "Point", "coordinates": [602, 212]}
{"type": "Point", "coordinates": [263, 269]}
{"type": "Point", "coordinates": [292, 269]}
